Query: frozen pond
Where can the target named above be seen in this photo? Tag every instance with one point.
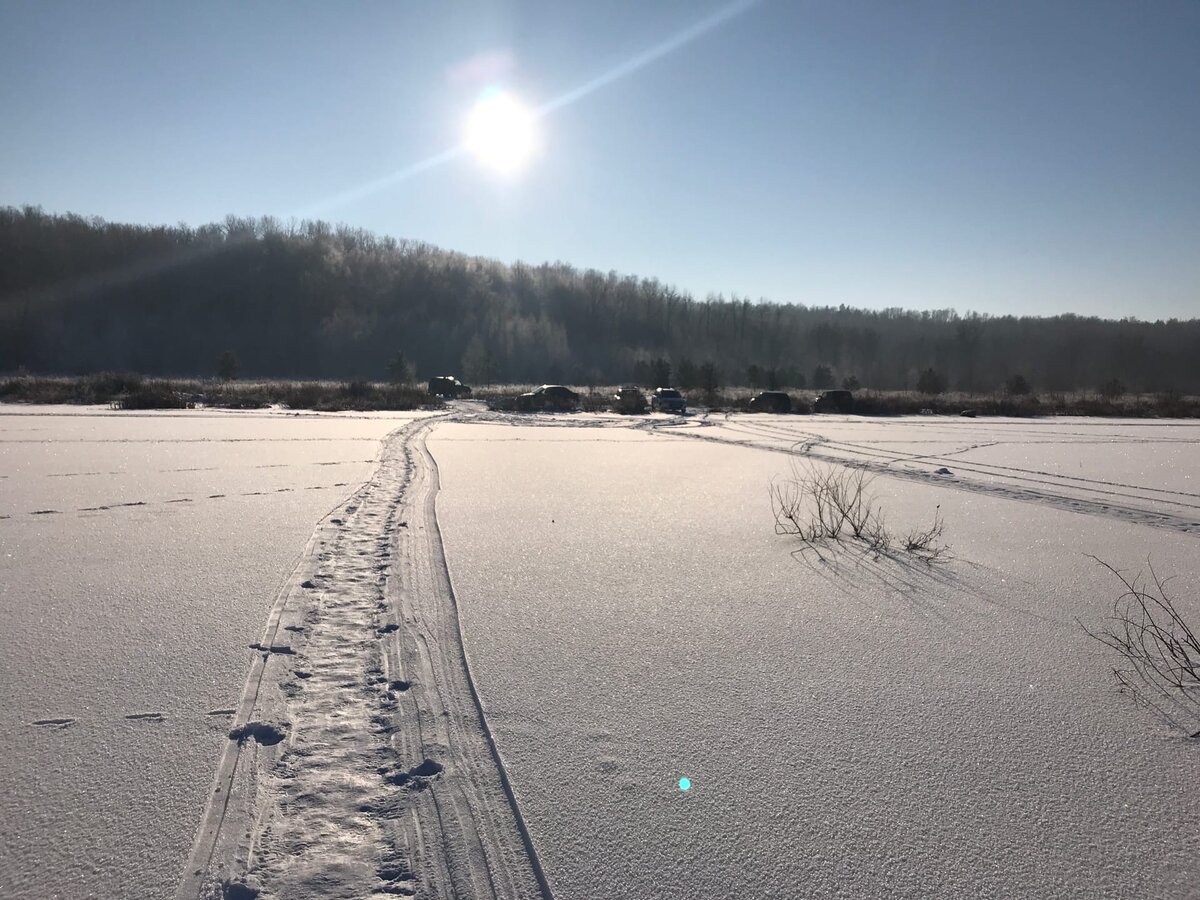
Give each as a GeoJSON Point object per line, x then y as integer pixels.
{"type": "Point", "coordinates": [139, 555]}
{"type": "Point", "coordinates": [1143, 471]}
{"type": "Point", "coordinates": [852, 727]}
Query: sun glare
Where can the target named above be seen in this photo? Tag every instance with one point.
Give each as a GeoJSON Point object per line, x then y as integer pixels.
{"type": "Point", "coordinates": [501, 132]}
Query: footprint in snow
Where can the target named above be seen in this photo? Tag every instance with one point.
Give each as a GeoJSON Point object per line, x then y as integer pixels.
{"type": "Point", "coordinates": [265, 733]}
{"type": "Point", "coordinates": [417, 775]}
{"type": "Point", "coordinates": [237, 890]}
{"type": "Point", "coordinates": [282, 649]}
{"type": "Point", "coordinates": [397, 879]}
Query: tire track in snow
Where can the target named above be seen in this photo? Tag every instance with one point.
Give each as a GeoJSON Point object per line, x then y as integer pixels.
{"type": "Point", "coordinates": [484, 753]}
{"type": "Point", "coordinates": [378, 776]}
{"type": "Point", "coordinates": [1017, 473]}
{"type": "Point", "coordinates": [1086, 505]}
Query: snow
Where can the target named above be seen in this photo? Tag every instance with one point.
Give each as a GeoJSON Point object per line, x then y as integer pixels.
{"type": "Point", "coordinates": [139, 595]}
{"type": "Point", "coordinates": [1128, 468]}
{"type": "Point", "coordinates": [851, 727]}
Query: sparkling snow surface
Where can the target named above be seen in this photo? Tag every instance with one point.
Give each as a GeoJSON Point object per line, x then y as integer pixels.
{"type": "Point", "coordinates": [129, 594]}
{"type": "Point", "coordinates": [850, 727]}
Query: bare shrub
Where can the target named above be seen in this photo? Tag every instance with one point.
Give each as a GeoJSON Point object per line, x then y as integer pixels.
{"type": "Point", "coordinates": [927, 542]}
{"type": "Point", "coordinates": [828, 504]}
{"type": "Point", "coordinates": [153, 395]}
{"type": "Point", "coordinates": [818, 504]}
{"type": "Point", "coordinates": [1161, 652]}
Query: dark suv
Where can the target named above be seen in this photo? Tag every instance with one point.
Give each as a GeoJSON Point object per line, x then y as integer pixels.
{"type": "Point", "coordinates": [834, 401]}
{"type": "Point", "coordinates": [549, 398]}
{"type": "Point", "coordinates": [771, 402]}
{"type": "Point", "coordinates": [629, 401]}
{"type": "Point", "coordinates": [668, 399]}
{"type": "Point", "coordinates": [448, 386]}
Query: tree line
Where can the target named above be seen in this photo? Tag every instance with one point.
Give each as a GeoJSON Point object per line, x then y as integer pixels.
{"type": "Point", "coordinates": [314, 300]}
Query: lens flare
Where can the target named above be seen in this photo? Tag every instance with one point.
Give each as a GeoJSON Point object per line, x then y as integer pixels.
{"type": "Point", "coordinates": [519, 140]}
{"type": "Point", "coordinates": [501, 132]}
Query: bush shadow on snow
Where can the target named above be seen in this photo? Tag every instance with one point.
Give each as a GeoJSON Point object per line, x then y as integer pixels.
{"type": "Point", "coordinates": [856, 571]}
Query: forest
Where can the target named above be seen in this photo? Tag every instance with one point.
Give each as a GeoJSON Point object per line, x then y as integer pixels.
{"type": "Point", "coordinates": [311, 300]}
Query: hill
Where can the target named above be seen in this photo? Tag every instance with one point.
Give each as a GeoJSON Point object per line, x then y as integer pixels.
{"type": "Point", "coordinates": [313, 300]}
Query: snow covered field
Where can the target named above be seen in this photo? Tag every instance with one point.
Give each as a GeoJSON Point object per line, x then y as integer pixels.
{"type": "Point", "coordinates": [851, 728]}
{"type": "Point", "coordinates": [139, 557]}
{"type": "Point", "coordinates": [1135, 470]}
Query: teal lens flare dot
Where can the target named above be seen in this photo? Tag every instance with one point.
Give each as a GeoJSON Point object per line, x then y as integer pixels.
{"type": "Point", "coordinates": [685, 784]}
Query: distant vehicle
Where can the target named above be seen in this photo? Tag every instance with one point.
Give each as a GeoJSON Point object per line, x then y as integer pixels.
{"type": "Point", "coordinates": [771, 401]}
{"type": "Point", "coordinates": [667, 399]}
{"type": "Point", "coordinates": [630, 401]}
{"type": "Point", "coordinates": [834, 401]}
{"type": "Point", "coordinates": [448, 386]}
{"type": "Point", "coordinates": [549, 398]}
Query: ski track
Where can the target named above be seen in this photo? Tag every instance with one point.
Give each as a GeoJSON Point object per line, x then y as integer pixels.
{"type": "Point", "coordinates": [360, 764]}
{"type": "Point", "coordinates": [1091, 496]}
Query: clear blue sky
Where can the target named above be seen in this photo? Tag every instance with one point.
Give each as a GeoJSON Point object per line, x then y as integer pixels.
{"type": "Point", "coordinates": [1011, 157]}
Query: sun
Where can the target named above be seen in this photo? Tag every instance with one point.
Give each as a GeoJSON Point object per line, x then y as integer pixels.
{"type": "Point", "coordinates": [501, 132]}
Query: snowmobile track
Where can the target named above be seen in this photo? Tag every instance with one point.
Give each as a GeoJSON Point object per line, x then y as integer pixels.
{"type": "Point", "coordinates": [386, 780]}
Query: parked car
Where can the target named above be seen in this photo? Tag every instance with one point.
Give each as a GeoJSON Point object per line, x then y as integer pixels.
{"type": "Point", "coordinates": [448, 386]}
{"type": "Point", "coordinates": [771, 401]}
{"type": "Point", "coordinates": [667, 399]}
{"type": "Point", "coordinates": [630, 401]}
{"type": "Point", "coordinates": [834, 401]}
{"type": "Point", "coordinates": [549, 398]}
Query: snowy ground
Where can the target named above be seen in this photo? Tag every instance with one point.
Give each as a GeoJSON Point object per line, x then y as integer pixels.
{"type": "Point", "coordinates": [139, 557]}
{"type": "Point", "coordinates": [1132, 469]}
{"type": "Point", "coordinates": [853, 727]}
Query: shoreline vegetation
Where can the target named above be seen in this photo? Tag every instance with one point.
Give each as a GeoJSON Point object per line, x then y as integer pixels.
{"type": "Point", "coordinates": [135, 392]}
